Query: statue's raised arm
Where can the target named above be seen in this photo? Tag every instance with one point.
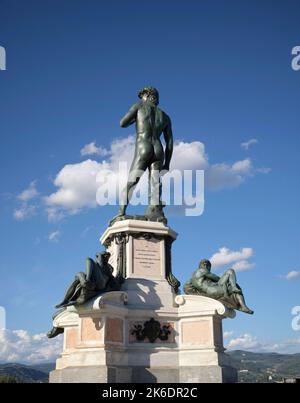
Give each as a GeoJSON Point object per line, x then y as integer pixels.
{"type": "Point", "coordinates": [130, 116]}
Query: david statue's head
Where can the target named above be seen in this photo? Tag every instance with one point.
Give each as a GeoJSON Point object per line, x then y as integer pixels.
{"type": "Point", "coordinates": [205, 264]}
{"type": "Point", "coordinates": [149, 94]}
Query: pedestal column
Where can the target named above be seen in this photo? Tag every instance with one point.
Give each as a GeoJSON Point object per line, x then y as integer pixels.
{"type": "Point", "coordinates": [141, 254]}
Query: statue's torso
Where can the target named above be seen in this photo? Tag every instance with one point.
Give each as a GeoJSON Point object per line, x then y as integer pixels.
{"type": "Point", "coordinates": [203, 283]}
{"type": "Point", "coordinates": [150, 122]}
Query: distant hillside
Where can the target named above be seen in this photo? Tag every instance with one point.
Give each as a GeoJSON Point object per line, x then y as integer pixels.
{"type": "Point", "coordinates": [46, 368]}
{"type": "Point", "coordinates": [265, 367]}
{"type": "Point", "coordinates": [26, 373]}
{"type": "Point", "coordinates": [252, 367]}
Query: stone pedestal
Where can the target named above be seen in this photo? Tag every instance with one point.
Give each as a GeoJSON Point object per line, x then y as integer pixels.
{"type": "Point", "coordinates": [146, 332]}
{"type": "Point", "coordinates": [141, 254]}
{"type": "Point", "coordinates": [201, 350]}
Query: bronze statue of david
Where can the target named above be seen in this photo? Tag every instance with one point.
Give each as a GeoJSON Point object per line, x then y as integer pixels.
{"type": "Point", "coordinates": [150, 122]}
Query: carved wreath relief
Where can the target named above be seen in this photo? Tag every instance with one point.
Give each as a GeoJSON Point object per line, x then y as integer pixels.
{"type": "Point", "coordinates": [152, 330]}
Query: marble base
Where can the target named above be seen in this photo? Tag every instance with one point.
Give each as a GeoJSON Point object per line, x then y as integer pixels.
{"type": "Point", "coordinates": [94, 374]}
{"type": "Point", "coordinates": [103, 341]}
{"type": "Point", "coordinates": [99, 346]}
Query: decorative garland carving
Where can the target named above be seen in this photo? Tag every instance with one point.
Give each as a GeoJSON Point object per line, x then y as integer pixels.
{"type": "Point", "coordinates": [152, 330]}
{"type": "Point", "coordinates": [121, 240]}
{"type": "Point", "coordinates": [171, 279]}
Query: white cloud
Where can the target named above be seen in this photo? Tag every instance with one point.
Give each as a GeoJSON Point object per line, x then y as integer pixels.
{"type": "Point", "coordinates": [292, 275]}
{"type": "Point", "coordinates": [251, 343]}
{"type": "Point", "coordinates": [222, 176]}
{"type": "Point", "coordinates": [19, 346]}
{"type": "Point", "coordinates": [242, 167]}
{"type": "Point", "coordinates": [54, 236]}
{"type": "Point", "coordinates": [237, 259]}
{"type": "Point", "coordinates": [92, 149]}
{"type": "Point", "coordinates": [24, 211]}
{"type": "Point", "coordinates": [76, 184]}
{"type": "Point", "coordinates": [122, 149]}
{"type": "Point", "coordinates": [189, 156]}
{"type": "Point", "coordinates": [227, 334]}
{"type": "Point", "coordinates": [263, 170]}
{"type": "Point", "coordinates": [243, 265]}
{"type": "Point", "coordinates": [247, 144]}
{"type": "Point", "coordinates": [55, 214]}
{"type": "Point", "coordinates": [244, 342]}
{"type": "Point", "coordinates": [29, 193]}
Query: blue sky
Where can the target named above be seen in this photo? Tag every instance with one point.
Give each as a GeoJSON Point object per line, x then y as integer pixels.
{"type": "Point", "coordinates": [224, 73]}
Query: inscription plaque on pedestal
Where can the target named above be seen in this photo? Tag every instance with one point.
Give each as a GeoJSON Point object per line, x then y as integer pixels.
{"type": "Point", "coordinates": [147, 257]}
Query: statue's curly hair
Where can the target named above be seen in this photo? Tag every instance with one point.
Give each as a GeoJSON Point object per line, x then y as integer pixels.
{"type": "Point", "coordinates": [204, 261]}
{"type": "Point", "coordinates": [149, 91]}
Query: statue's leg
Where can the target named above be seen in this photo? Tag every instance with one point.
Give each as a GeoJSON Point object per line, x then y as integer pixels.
{"type": "Point", "coordinates": [229, 278]}
{"type": "Point", "coordinates": [81, 277]}
{"type": "Point", "coordinates": [137, 169]}
{"type": "Point", "coordinates": [69, 293]}
{"type": "Point", "coordinates": [89, 268]}
{"type": "Point", "coordinates": [241, 300]}
{"type": "Point", "coordinates": [224, 282]}
{"type": "Point", "coordinates": [155, 184]}
{"type": "Point", "coordinates": [94, 275]}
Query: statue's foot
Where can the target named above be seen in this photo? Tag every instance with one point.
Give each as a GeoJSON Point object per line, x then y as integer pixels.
{"type": "Point", "coordinates": [119, 217]}
{"type": "Point", "coordinates": [55, 331]}
{"type": "Point", "coordinates": [71, 303]}
{"type": "Point", "coordinates": [122, 210]}
{"type": "Point", "coordinates": [237, 290]}
{"type": "Point", "coordinates": [155, 213]}
{"type": "Point", "coordinates": [245, 309]}
{"type": "Point", "coordinates": [61, 305]}
{"type": "Point", "coordinates": [162, 219]}
{"type": "Point", "coordinates": [64, 304]}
